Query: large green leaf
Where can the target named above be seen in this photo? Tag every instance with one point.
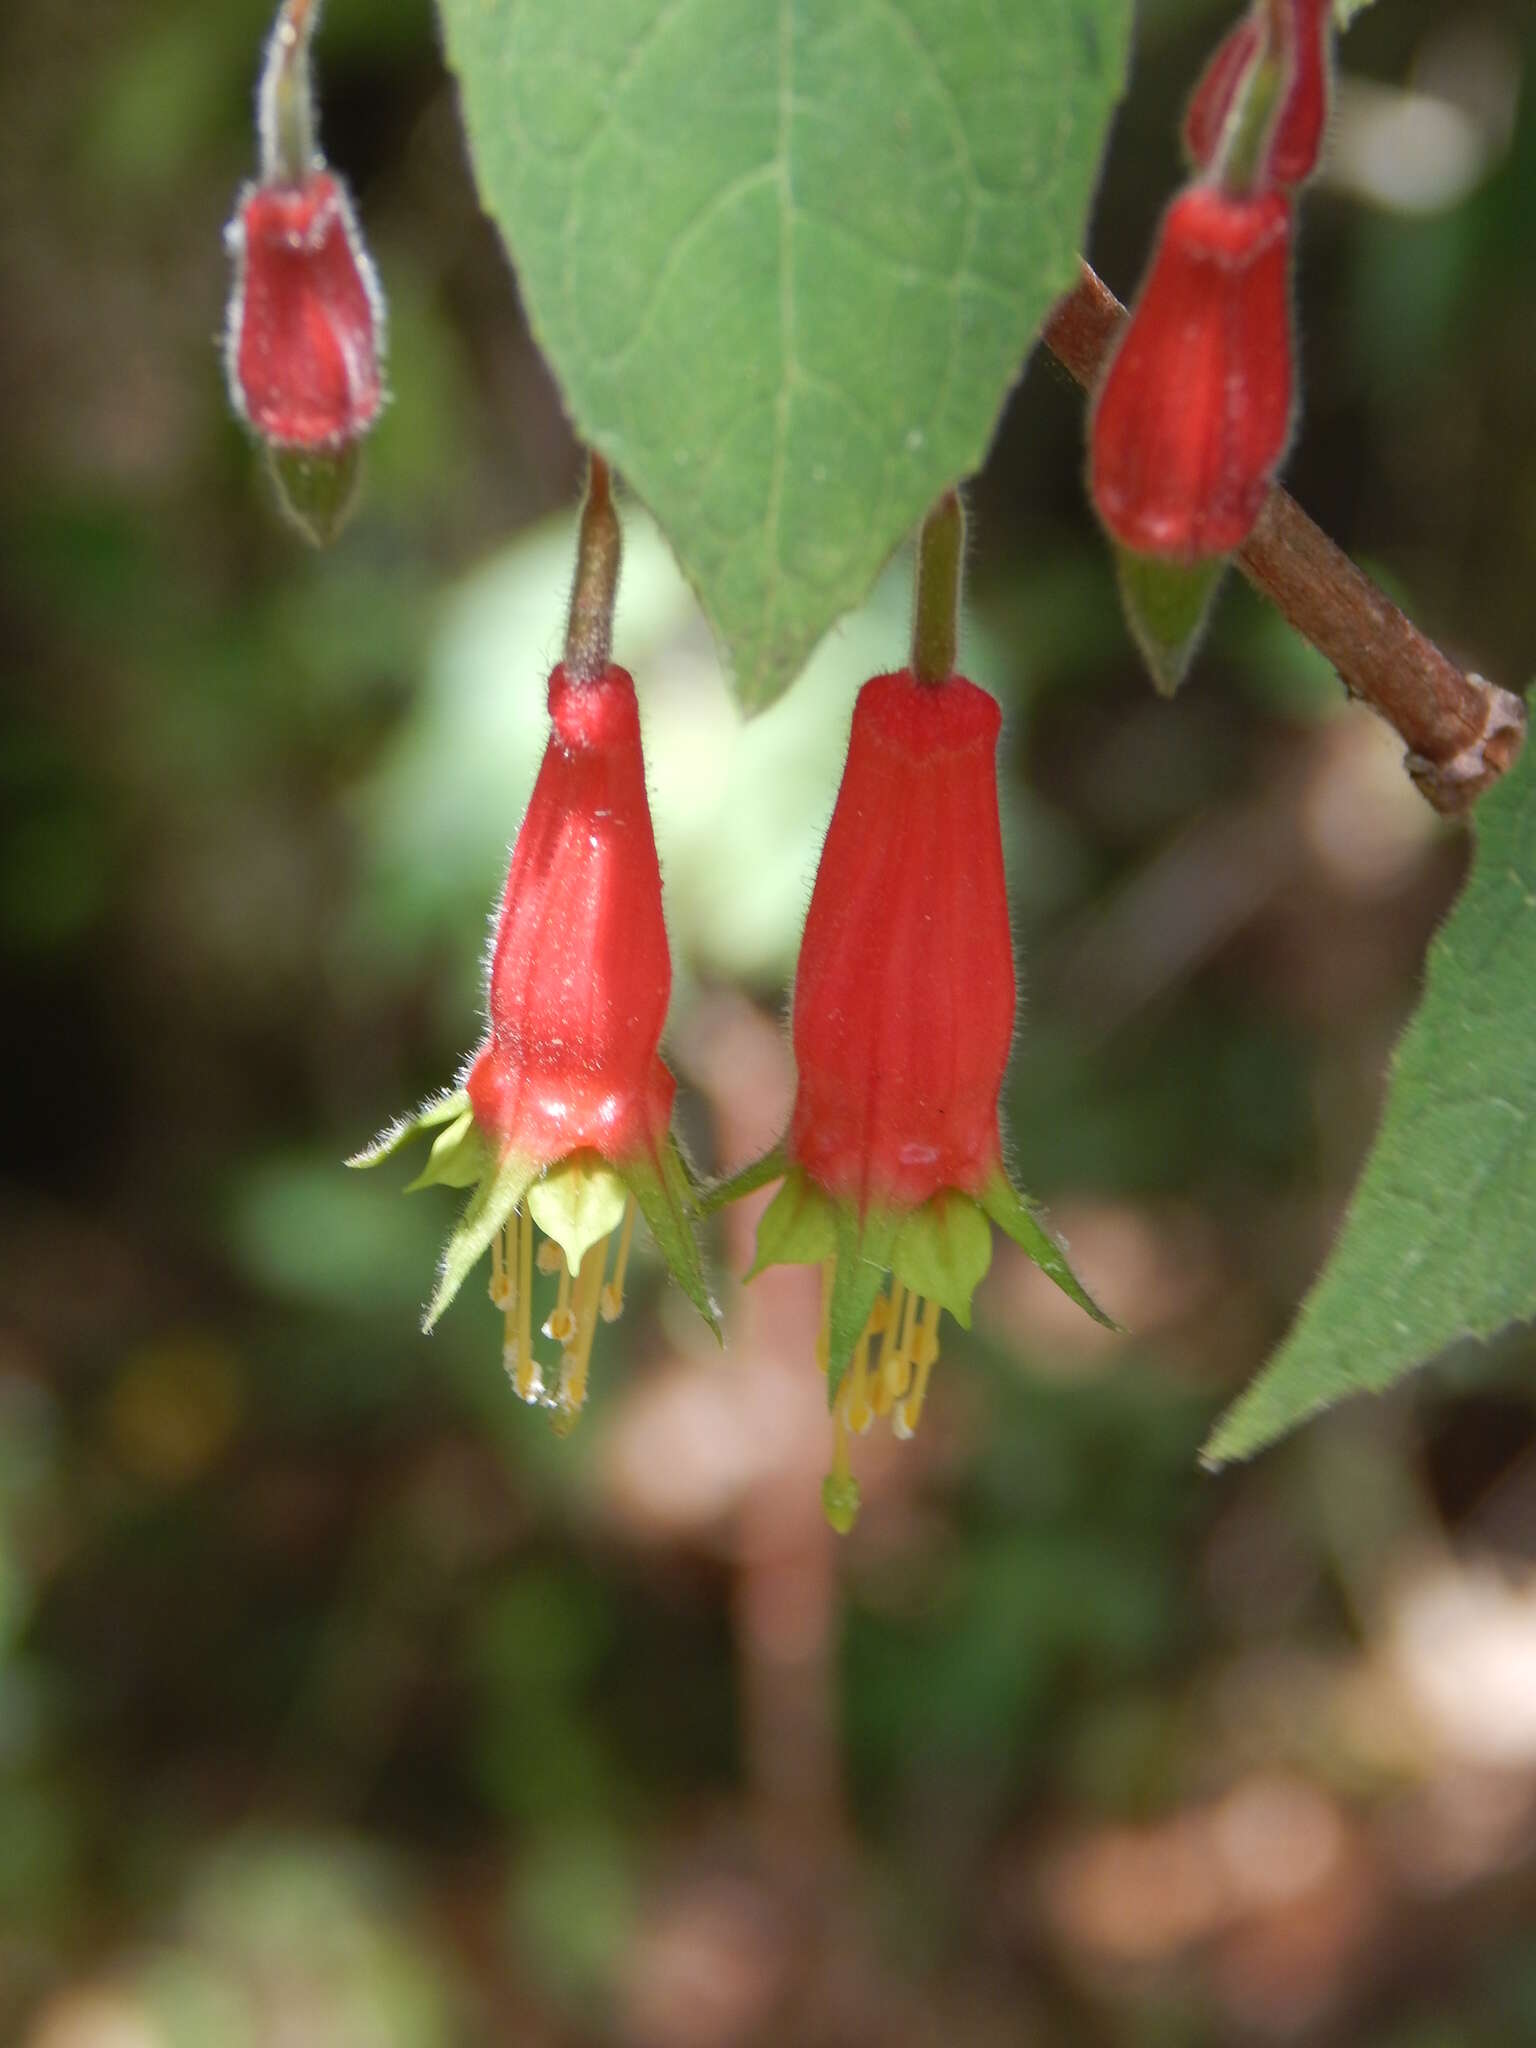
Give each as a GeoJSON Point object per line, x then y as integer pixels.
{"type": "Point", "coordinates": [1440, 1242]}
{"type": "Point", "coordinates": [786, 257]}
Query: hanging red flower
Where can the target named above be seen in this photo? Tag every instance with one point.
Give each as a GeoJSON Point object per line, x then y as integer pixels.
{"type": "Point", "coordinates": [1194, 414]}
{"type": "Point", "coordinates": [563, 1117]}
{"type": "Point", "coordinates": [903, 1021]}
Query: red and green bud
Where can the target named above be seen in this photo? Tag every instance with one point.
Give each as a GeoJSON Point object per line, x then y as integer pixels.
{"type": "Point", "coordinates": [1276, 64]}
{"type": "Point", "coordinates": [1194, 414]}
{"type": "Point", "coordinates": [562, 1123]}
{"type": "Point", "coordinates": [902, 1022]}
{"type": "Point", "coordinates": [305, 331]}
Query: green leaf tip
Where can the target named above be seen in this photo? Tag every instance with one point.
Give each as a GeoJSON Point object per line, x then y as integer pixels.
{"type": "Point", "coordinates": [1439, 1240]}
{"type": "Point", "coordinates": [784, 217]}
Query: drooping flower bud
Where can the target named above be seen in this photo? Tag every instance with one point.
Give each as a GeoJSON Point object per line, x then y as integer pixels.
{"type": "Point", "coordinates": [563, 1117]}
{"type": "Point", "coordinates": [305, 330]}
{"type": "Point", "coordinates": [1194, 414]}
{"type": "Point", "coordinates": [1293, 39]}
{"type": "Point", "coordinates": [903, 1021]}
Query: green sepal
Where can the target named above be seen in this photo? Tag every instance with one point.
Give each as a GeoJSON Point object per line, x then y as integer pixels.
{"type": "Point", "coordinates": [660, 1184]}
{"type": "Point", "coordinates": [772, 1166]}
{"type": "Point", "coordinates": [1013, 1216]}
{"type": "Point", "coordinates": [459, 1156]}
{"type": "Point", "coordinates": [863, 1259]}
{"type": "Point", "coordinates": [486, 1211]}
{"type": "Point", "coordinates": [798, 1228]}
{"type": "Point", "coordinates": [317, 489]}
{"type": "Point", "coordinates": [578, 1203]}
{"type": "Point", "coordinates": [438, 1110]}
{"type": "Point", "coordinates": [1167, 606]}
{"type": "Point", "coordinates": [943, 1250]}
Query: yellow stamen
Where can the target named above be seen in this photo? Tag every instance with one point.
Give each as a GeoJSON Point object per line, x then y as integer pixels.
{"type": "Point", "coordinates": [905, 1418]}
{"type": "Point", "coordinates": [528, 1383]}
{"type": "Point", "coordinates": [611, 1301]}
{"type": "Point", "coordinates": [890, 1373]}
{"type": "Point", "coordinates": [562, 1324]}
{"type": "Point", "coordinates": [498, 1273]}
{"type": "Point", "coordinates": [578, 1354]}
{"type": "Point", "coordinates": [856, 1391]}
{"type": "Point", "coordinates": [551, 1258]}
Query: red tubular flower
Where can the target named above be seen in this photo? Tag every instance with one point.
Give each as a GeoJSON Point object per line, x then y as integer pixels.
{"type": "Point", "coordinates": [898, 1097]}
{"type": "Point", "coordinates": [581, 972]}
{"type": "Point", "coordinates": [903, 1021]}
{"type": "Point", "coordinates": [1298, 36]}
{"type": "Point", "coordinates": [305, 318]}
{"type": "Point", "coordinates": [562, 1120]}
{"type": "Point", "coordinates": [1194, 414]}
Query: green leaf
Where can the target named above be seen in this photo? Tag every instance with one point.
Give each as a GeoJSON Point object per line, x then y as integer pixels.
{"type": "Point", "coordinates": [786, 260]}
{"type": "Point", "coordinates": [943, 1251]}
{"type": "Point", "coordinates": [798, 1228]}
{"type": "Point", "coordinates": [1166, 608]}
{"type": "Point", "coordinates": [441, 1109]}
{"type": "Point", "coordinates": [1440, 1240]}
{"type": "Point", "coordinates": [1012, 1215]}
{"type": "Point", "coordinates": [486, 1211]}
{"type": "Point", "coordinates": [863, 1260]}
{"type": "Point", "coordinates": [578, 1203]}
{"type": "Point", "coordinates": [660, 1186]}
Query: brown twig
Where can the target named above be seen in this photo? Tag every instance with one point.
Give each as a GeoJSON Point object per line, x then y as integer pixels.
{"type": "Point", "coordinates": [589, 633]}
{"type": "Point", "coordinates": [1462, 731]}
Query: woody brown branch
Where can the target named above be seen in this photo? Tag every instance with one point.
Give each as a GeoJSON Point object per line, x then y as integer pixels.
{"type": "Point", "coordinates": [1462, 732]}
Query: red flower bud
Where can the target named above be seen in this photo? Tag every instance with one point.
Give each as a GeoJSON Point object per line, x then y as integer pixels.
{"type": "Point", "coordinates": [305, 319]}
{"type": "Point", "coordinates": [904, 995]}
{"type": "Point", "coordinates": [1227, 72]}
{"type": "Point", "coordinates": [1194, 414]}
{"type": "Point", "coordinates": [581, 972]}
{"type": "Point", "coordinates": [1299, 33]}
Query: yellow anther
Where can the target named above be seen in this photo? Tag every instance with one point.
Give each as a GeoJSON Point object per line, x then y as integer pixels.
{"type": "Point", "coordinates": [905, 1418]}
{"type": "Point", "coordinates": [880, 1316]}
{"type": "Point", "coordinates": [611, 1300]}
{"type": "Point", "coordinates": [562, 1324]}
{"type": "Point", "coordinates": [550, 1258]}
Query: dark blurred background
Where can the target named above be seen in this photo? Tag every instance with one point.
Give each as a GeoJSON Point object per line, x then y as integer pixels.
{"type": "Point", "coordinates": [339, 1703]}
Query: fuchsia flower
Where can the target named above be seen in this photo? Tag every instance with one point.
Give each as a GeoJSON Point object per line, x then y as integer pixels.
{"type": "Point", "coordinates": [903, 1021]}
{"type": "Point", "coordinates": [562, 1121]}
{"type": "Point", "coordinates": [304, 341]}
{"type": "Point", "coordinates": [1194, 414]}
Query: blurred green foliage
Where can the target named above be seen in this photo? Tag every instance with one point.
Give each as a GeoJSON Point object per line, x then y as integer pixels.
{"type": "Point", "coordinates": [338, 1701]}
